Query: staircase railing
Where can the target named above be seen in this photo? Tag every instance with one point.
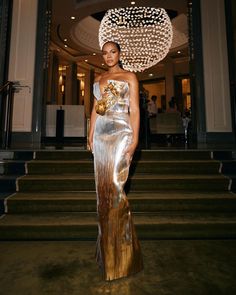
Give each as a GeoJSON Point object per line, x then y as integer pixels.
{"type": "Point", "coordinates": [6, 92]}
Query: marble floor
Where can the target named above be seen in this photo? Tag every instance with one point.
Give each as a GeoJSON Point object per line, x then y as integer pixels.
{"type": "Point", "coordinates": [172, 267]}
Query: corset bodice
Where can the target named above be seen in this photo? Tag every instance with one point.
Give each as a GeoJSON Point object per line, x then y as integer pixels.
{"type": "Point", "coordinates": [116, 93]}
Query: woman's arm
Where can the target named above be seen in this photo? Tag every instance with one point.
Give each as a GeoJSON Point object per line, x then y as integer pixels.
{"type": "Point", "coordinates": [92, 124]}
{"type": "Point", "coordinates": [134, 113]}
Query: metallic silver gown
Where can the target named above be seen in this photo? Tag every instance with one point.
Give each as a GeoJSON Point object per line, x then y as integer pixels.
{"type": "Point", "coordinates": [118, 251]}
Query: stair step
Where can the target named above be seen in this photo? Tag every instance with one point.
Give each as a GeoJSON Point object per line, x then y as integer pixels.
{"type": "Point", "coordinates": [223, 155]}
{"type": "Point", "coordinates": [139, 201]}
{"type": "Point", "coordinates": [3, 196]}
{"type": "Point", "coordinates": [151, 155]}
{"type": "Point", "coordinates": [16, 155]}
{"type": "Point", "coordinates": [173, 194]}
{"type": "Point", "coordinates": [138, 182]}
{"type": "Point", "coordinates": [9, 167]}
{"type": "Point", "coordinates": [8, 183]}
{"type": "Point", "coordinates": [83, 226]}
{"type": "Point", "coordinates": [229, 167]}
{"type": "Point", "coordinates": [142, 166]}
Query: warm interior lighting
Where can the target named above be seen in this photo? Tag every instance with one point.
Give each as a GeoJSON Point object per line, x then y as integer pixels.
{"type": "Point", "coordinates": [82, 87]}
{"type": "Point", "coordinates": [60, 79]}
{"type": "Point", "coordinates": [72, 17]}
{"type": "Point", "coordinates": [80, 75]}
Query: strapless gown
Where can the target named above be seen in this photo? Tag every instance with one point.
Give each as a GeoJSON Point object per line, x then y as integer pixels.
{"type": "Point", "coordinates": [118, 251]}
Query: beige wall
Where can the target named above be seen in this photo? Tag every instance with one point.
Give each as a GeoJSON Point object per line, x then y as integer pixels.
{"type": "Point", "coordinates": [215, 60]}
{"type": "Point", "coordinates": [22, 60]}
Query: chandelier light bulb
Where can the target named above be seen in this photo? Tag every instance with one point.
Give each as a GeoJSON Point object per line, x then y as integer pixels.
{"type": "Point", "coordinates": [143, 33]}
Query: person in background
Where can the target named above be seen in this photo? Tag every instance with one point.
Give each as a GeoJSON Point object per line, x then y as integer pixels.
{"type": "Point", "coordinates": [172, 106]}
{"type": "Point", "coordinates": [152, 107]}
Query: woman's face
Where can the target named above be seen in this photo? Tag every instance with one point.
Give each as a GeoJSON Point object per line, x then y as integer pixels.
{"type": "Point", "coordinates": [110, 54]}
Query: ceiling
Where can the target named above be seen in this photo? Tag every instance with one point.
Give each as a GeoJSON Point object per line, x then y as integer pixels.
{"type": "Point", "coordinates": [77, 39]}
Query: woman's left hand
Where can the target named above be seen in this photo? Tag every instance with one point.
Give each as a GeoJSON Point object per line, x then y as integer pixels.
{"type": "Point", "coordinates": [130, 151]}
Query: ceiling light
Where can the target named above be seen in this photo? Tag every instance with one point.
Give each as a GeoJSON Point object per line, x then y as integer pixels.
{"type": "Point", "coordinates": [72, 17]}
{"type": "Point", "coordinates": [102, 64]}
{"type": "Point", "coordinates": [65, 39]}
{"type": "Point", "coordinates": [80, 75]}
{"type": "Point", "coordinates": [143, 33]}
{"type": "Point", "coordinates": [150, 75]}
{"type": "Point", "coordinates": [178, 51]}
{"type": "Point", "coordinates": [65, 45]}
{"type": "Point", "coordinates": [132, 2]}
{"type": "Point", "coordinates": [86, 60]}
{"type": "Point", "coordinates": [94, 53]}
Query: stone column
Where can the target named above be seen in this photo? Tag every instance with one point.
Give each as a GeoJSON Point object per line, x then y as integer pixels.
{"type": "Point", "coordinates": [215, 62]}
{"type": "Point", "coordinates": [88, 92]}
{"type": "Point", "coordinates": [53, 79]}
{"type": "Point", "coordinates": [71, 93]}
{"type": "Point", "coordinates": [22, 62]}
{"type": "Point", "coordinates": [169, 77]}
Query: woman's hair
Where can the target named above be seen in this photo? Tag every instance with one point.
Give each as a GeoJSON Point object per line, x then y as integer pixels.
{"type": "Point", "coordinates": [116, 44]}
{"type": "Point", "coordinates": [119, 49]}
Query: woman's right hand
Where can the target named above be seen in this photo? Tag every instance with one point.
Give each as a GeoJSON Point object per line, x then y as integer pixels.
{"type": "Point", "coordinates": [90, 142]}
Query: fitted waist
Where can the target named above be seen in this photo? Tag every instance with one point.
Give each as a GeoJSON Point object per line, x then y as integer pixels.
{"type": "Point", "coordinates": [112, 112]}
{"type": "Point", "coordinates": [118, 108]}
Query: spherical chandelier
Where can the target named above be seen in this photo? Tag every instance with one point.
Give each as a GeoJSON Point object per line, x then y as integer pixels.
{"type": "Point", "coordinates": [143, 33]}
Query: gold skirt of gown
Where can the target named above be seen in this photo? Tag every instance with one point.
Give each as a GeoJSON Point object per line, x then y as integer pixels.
{"type": "Point", "coordinates": [118, 251]}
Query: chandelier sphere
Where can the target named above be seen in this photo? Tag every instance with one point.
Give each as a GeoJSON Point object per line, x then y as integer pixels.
{"type": "Point", "coordinates": [143, 33]}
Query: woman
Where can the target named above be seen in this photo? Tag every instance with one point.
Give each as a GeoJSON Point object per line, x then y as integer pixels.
{"type": "Point", "coordinates": [113, 138]}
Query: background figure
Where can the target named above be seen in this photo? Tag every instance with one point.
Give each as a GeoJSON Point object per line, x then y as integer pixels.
{"type": "Point", "coordinates": [144, 130]}
{"type": "Point", "coordinates": [172, 107]}
{"type": "Point", "coordinates": [152, 107]}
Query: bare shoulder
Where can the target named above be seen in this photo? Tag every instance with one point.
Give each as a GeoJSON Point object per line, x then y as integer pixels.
{"type": "Point", "coordinates": [98, 78]}
{"type": "Point", "coordinates": [131, 77]}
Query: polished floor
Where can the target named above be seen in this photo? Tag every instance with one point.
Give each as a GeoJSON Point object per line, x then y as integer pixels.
{"type": "Point", "coordinates": [172, 267]}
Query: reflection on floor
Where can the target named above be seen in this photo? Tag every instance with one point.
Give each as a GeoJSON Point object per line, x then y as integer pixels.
{"type": "Point", "coordinates": [173, 267]}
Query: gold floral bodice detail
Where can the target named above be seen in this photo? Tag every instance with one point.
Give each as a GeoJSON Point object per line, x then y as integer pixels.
{"type": "Point", "coordinates": [115, 97]}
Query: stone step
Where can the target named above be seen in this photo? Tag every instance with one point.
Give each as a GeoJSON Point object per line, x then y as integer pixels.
{"type": "Point", "coordinates": [83, 226]}
{"type": "Point", "coordinates": [3, 196]}
{"type": "Point", "coordinates": [8, 183]}
{"type": "Point", "coordinates": [152, 155]}
{"type": "Point", "coordinates": [229, 167]}
{"type": "Point", "coordinates": [140, 202]}
{"type": "Point", "coordinates": [16, 155]}
{"type": "Point", "coordinates": [142, 166]}
{"type": "Point", "coordinates": [137, 182]}
{"type": "Point", "coordinates": [12, 167]}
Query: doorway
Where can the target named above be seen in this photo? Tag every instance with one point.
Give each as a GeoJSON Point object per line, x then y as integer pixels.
{"type": "Point", "coordinates": [183, 94]}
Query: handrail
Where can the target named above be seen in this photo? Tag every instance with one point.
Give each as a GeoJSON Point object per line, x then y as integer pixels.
{"type": "Point", "coordinates": [7, 113]}
{"type": "Point", "coordinates": [5, 85]}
